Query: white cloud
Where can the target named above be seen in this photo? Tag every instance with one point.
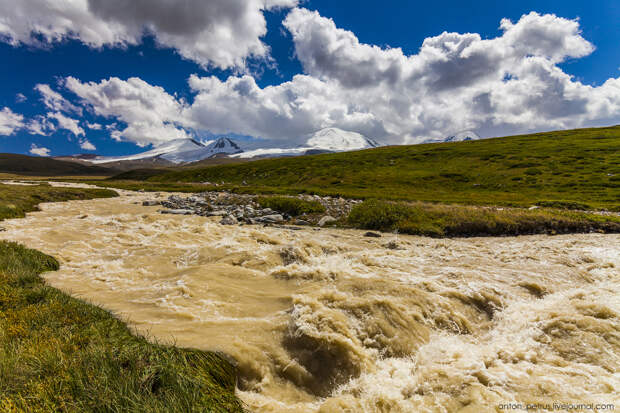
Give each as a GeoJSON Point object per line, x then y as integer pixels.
{"type": "Point", "coordinates": [152, 115]}
{"type": "Point", "coordinates": [456, 82]}
{"type": "Point", "coordinates": [40, 125]}
{"type": "Point", "coordinates": [86, 145]}
{"type": "Point", "coordinates": [93, 126]}
{"type": "Point", "coordinates": [67, 123]}
{"type": "Point", "coordinates": [55, 101]}
{"type": "Point", "coordinates": [10, 122]}
{"type": "Point", "coordinates": [222, 33]}
{"type": "Point", "coordinates": [20, 98]}
{"type": "Point", "coordinates": [39, 150]}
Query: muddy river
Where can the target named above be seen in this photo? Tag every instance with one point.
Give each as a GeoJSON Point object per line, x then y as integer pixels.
{"type": "Point", "coordinates": [330, 321]}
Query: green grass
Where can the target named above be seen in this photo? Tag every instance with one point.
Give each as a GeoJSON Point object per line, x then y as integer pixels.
{"type": "Point", "coordinates": [16, 200]}
{"type": "Point", "coordinates": [448, 220]}
{"type": "Point", "coordinates": [576, 166]}
{"type": "Point", "coordinates": [291, 206]}
{"type": "Point", "coordinates": [59, 354]}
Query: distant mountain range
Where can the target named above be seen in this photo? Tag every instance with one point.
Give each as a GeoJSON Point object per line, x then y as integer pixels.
{"type": "Point", "coordinates": [459, 137]}
{"type": "Point", "coordinates": [186, 151]}
{"type": "Point", "coordinates": [183, 151]}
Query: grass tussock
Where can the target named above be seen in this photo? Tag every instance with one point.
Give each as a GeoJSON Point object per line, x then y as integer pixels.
{"type": "Point", "coordinates": [16, 200]}
{"type": "Point", "coordinates": [291, 206]}
{"type": "Point", "coordinates": [452, 221]}
{"type": "Point", "coordinates": [59, 354]}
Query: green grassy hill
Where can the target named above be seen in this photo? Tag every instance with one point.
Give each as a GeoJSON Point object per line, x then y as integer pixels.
{"type": "Point", "coordinates": [39, 166]}
{"type": "Point", "coordinates": [575, 168]}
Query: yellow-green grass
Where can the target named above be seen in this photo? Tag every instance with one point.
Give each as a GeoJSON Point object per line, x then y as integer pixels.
{"type": "Point", "coordinates": [16, 200]}
{"type": "Point", "coordinates": [579, 166]}
{"type": "Point", "coordinates": [59, 354]}
{"type": "Point", "coordinates": [458, 220]}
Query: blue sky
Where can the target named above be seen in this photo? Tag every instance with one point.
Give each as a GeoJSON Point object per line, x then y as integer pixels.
{"type": "Point", "coordinates": [393, 24]}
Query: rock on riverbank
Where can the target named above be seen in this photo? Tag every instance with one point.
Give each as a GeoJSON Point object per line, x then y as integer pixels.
{"type": "Point", "coordinates": [244, 209]}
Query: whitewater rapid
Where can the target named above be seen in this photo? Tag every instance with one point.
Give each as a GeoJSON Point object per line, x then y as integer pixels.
{"type": "Point", "coordinates": [330, 321]}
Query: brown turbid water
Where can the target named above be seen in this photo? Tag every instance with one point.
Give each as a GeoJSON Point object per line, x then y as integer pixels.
{"type": "Point", "coordinates": [331, 321]}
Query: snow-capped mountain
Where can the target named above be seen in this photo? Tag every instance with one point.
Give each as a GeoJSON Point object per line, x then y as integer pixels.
{"type": "Point", "coordinates": [334, 139]}
{"type": "Point", "coordinates": [459, 137]}
{"type": "Point", "coordinates": [324, 140]}
{"type": "Point", "coordinates": [189, 150]}
{"type": "Point", "coordinates": [179, 151]}
{"type": "Point", "coordinates": [223, 146]}
{"type": "Point", "coordinates": [174, 146]}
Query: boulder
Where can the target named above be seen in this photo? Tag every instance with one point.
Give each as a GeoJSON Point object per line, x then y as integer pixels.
{"type": "Point", "coordinates": [218, 213]}
{"type": "Point", "coordinates": [392, 245]}
{"type": "Point", "coordinates": [229, 220]}
{"type": "Point", "coordinates": [372, 235]}
{"type": "Point", "coordinates": [274, 218]}
{"type": "Point", "coordinates": [177, 211]}
{"type": "Point", "coordinates": [151, 203]}
{"type": "Point", "coordinates": [326, 220]}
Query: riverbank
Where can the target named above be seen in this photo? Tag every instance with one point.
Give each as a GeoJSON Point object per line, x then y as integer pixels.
{"type": "Point", "coordinates": [434, 220]}
{"type": "Point", "coordinates": [59, 353]}
{"type": "Point", "coordinates": [17, 200]}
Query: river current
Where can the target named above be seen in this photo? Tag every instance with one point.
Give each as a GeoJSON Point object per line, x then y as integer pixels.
{"type": "Point", "coordinates": [331, 321]}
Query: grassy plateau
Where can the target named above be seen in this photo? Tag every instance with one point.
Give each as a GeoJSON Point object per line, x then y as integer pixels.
{"type": "Point", "coordinates": [59, 354]}
{"type": "Point", "coordinates": [575, 167]}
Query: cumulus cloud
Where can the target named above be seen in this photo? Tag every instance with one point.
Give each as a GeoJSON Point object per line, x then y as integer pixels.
{"type": "Point", "coordinates": [152, 115]}
{"type": "Point", "coordinates": [55, 101]}
{"type": "Point", "coordinates": [286, 112]}
{"type": "Point", "coordinates": [10, 122]}
{"type": "Point", "coordinates": [20, 98]}
{"type": "Point", "coordinates": [67, 123]}
{"type": "Point", "coordinates": [507, 84]}
{"type": "Point", "coordinates": [39, 150]}
{"type": "Point", "coordinates": [222, 33]}
{"type": "Point", "coordinates": [86, 145]}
